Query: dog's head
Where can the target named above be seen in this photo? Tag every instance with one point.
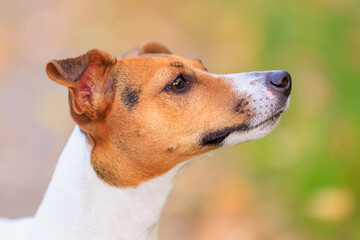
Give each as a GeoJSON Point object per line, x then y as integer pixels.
{"type": "Point", "coordinates": [150, 110]}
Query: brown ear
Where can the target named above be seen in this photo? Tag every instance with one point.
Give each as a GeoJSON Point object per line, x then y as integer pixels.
{"type": "Point", "coordinates": [89, 81]}
{"type": "Point", "coordinates": [148, 47]}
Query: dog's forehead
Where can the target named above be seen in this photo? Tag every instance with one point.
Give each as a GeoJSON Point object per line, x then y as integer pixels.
{"type": "Point", "coordinates": [162, 60]}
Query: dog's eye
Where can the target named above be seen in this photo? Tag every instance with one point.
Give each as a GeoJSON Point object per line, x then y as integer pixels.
{"type": "Point", "coordinates": [178, 84]}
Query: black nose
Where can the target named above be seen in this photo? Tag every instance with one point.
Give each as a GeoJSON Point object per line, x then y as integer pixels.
{"type": "Point", "coordinates": [279, 81]}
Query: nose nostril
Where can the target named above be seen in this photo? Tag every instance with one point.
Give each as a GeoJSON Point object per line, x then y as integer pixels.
{"type": "Point", "coordinates": [284, 82]}
{"type": "Point", "coordinates": [281, 82]}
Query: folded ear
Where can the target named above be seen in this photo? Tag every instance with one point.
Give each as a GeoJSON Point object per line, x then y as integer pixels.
{"type": "Point", "coordinates": [148, 47]}
{"type": "Point", "coordinates": [88, 78]}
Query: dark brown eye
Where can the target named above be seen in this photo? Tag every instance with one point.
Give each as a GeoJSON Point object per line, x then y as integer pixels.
{"type": "Point", "coordinates": [178, 84]}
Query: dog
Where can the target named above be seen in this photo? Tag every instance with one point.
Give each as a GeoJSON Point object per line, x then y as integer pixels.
{"type": "Point", "coordinates": [140, 121]}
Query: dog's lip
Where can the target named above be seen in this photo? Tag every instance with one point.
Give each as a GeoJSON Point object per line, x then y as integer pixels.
{"type": "Point", "coordinates": [270, 119]}
{"type": "Point", "coordinates": [217, 137]}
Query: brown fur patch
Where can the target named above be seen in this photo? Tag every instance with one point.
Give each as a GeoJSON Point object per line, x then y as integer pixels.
{"type": "Point", "coordinates": [130, 97]}
{"type": "Point", "coordinates": [161, 131]}
{"type": "Point", "coordinates": [164, 129]}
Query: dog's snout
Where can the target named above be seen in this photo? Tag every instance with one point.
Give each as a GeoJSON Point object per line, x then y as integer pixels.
{"type": "Point", "coordinates": [279, 81]}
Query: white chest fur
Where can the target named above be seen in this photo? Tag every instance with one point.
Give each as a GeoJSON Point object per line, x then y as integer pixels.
{"type": "Point", "coordinates": [78, 205]}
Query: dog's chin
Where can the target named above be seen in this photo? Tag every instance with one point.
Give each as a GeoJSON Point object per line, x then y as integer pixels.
{"type": "Point", "coordinates": [254, 133]}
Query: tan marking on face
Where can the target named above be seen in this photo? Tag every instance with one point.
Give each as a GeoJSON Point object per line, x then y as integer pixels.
{"type": "Point", "coordinates": [165, 127]}
{"type": "Point", "coordinates": [138, 124]}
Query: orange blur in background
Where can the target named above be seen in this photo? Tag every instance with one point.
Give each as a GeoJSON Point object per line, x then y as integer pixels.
{"type": "Point", "coordinates": [301, 182]}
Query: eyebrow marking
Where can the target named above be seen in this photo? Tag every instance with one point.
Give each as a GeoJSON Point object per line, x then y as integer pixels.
{"type": "Point", "coordinates": [177, 64]}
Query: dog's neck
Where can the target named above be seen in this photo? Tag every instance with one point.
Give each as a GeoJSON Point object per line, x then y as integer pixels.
{"type": "Point", "coordinates": [78, 205]}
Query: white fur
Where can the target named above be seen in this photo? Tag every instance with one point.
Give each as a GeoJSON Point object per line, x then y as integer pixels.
{"type": "Point", "coordinates": [15, 229]}
{"type": "Point", "coordinates": [253, 84]}
{"type": "Point", "coordinates": [78, 205]}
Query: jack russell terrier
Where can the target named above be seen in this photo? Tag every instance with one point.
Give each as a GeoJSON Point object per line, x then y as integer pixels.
{"type": "Point", "coordinates": [140, 121]}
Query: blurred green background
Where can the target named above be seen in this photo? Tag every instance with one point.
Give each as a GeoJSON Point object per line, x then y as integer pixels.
{"type": "Point", "coordinates": [301, 182]}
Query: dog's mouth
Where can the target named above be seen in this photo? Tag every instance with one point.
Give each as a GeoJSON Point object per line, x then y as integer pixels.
{"type": "Point", "coordinates": [217, 137]}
